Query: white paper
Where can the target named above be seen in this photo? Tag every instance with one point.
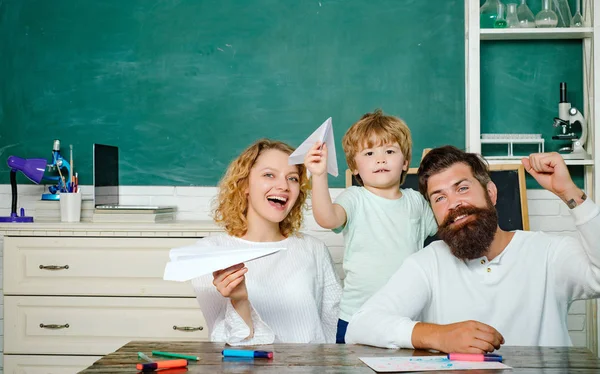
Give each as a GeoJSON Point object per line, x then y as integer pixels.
{"type": "Point", "coordinates": [323, 134]}
{"type": "Point", "coordinates": [426, 363]}
{"type": "Point", "coordinates": [193, 261]}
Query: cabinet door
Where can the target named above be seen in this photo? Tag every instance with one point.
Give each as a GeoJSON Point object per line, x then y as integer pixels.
{"type": "Point", "coordinates": [90, 266]}
{"type": "Point", "coordinates": [31, 364]}
{"type": "Point", "coordinates": [96, 325]}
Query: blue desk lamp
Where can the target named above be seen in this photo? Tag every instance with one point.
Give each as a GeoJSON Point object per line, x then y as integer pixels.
{"type": "Point", "coordinates": [33, 168]}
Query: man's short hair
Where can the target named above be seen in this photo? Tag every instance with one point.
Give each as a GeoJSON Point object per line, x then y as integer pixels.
{"type": "Point", "coordinates": [441, 158]}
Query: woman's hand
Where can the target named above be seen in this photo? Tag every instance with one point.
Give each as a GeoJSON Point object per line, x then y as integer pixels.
{"type": "Point", "coordinates": [231, 282]}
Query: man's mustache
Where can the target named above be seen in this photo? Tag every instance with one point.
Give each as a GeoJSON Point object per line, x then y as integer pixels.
{"type": "Point", "coordinates": [461, 211]}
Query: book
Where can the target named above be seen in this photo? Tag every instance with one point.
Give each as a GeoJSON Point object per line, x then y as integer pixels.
{"type": "Point", "coordinates": [134, 218]}
{"type": "Point", "coordinates": [55, 204]}
{"type": "Point", "coordinates": [136, 211]}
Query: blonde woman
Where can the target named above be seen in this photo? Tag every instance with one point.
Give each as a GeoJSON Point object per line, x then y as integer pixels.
{"type": "Point", "coordinates": [291, 296]}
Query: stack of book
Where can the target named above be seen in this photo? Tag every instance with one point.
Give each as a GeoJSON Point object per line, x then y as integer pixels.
{"type": "Point", "coordinates": [166, 214]}
{"type": "Point", "coordinates": [49, 211]}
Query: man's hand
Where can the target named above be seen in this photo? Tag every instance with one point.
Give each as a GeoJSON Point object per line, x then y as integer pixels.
{"type": "Point", "coordinates": [461, 337]}
{"type": "Point", "coordinates": [231, 282]}
{"type": "Point", "coordinates": [551, 172]}
{"type": "Point", "coordinates": [316, 159]}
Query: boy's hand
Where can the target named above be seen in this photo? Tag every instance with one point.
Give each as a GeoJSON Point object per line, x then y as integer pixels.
{"type": "Point", "coordinates": [316, 159]}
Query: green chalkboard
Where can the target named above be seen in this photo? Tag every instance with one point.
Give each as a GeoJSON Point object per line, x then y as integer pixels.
{"type": "Point", "coordinates": [182, 86]}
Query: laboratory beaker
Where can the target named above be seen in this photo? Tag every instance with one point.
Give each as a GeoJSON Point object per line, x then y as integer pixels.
{"type": "Point", "coordinates": [512, 20]}
{"type": "Point", "coordinates": [577, 20]}
{"type": "Point", "coordinates": [500, 22]}
{"type": "Point", "coordinates": [546, 18]}
{"type": "Point", "coordinates": [488, 13]}
{"type": "Point", "coordinates": [525, 15]}
{"type": "Point", "coordinates": [563, 12]}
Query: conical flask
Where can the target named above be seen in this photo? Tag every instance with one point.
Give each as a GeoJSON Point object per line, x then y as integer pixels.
{"type": "Point", "coordinates": [525, 15]}
{"type": "Point", "coordinates": [488, 14]}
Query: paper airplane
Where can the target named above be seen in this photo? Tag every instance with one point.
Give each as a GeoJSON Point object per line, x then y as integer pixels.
{"type": "Point", "coordinates": [323, 134]}
{"type": "Point", "coordinates": [193, 261]}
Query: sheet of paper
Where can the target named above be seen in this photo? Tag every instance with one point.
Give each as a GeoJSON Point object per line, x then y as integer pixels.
{"type": "Point", "coordinates": [323, 134]}
{"type": "Point", "coordinates": [425, 363]}
{"type": "Point", "coordinates": [193, 261]}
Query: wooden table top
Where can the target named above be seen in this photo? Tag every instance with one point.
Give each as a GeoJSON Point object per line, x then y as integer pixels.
{"type": "Point", "coordinates": [331, 358]}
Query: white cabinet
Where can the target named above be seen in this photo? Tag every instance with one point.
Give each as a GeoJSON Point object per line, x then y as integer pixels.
{"type": "Point", "coordinates": [96, 325]}
{"type": "Point", "coordinates": [22, 364]}
{"type": "Point", "coordinates": [75, 292]}
{"type": "Point", "coordinates": [90, 266]}
{"type": "Point", "coordinates": [590, 36]}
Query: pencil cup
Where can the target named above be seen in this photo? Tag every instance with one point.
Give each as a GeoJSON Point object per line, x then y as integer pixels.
{"type": "Point", "coordinates": [70, 207]}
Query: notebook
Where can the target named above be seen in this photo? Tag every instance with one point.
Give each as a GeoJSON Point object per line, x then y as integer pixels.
{"type": "Point", "coordinates": [106, 183]}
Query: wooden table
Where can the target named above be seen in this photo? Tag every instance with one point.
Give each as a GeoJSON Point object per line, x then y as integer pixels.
{"type": "Point", "coordinates": [333, 358]}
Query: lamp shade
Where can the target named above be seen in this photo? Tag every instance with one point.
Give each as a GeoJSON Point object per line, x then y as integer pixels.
{"type": "Point", "coordinates": [33, 168]}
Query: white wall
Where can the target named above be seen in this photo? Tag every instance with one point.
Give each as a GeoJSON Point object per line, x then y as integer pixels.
{"type": "Point", "coordinates": [546, 213]}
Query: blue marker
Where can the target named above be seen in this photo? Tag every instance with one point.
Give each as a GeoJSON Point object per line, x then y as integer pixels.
{"type": "Point", "coordinates": [246, 353]}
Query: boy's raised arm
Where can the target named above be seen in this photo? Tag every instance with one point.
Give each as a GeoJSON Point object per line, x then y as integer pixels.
{"type": "Point", "coordinates": [327, 214]}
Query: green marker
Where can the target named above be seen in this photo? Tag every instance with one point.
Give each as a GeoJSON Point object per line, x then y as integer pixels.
{"type": "Point", "coordinates": [142, 356]}
{"type": "Point", "coordinates": [175, 355]}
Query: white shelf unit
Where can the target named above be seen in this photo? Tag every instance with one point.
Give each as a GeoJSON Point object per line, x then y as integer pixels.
{"type": "Point", "coordinates": [533, 34]}
{"type": "Point", "coordinates": [513, 161]}
{"type": "Point", "coordinates": [590, 36]}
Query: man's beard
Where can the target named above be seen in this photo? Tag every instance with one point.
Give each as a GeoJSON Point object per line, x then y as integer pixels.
{"type": "Point", "coordinates": [472, 239]}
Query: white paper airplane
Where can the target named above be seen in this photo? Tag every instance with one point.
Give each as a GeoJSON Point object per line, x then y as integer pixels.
{"type": "Point", "coordinates": [323, 134]}
{"type": "Point", "coordinates": [194, 261]}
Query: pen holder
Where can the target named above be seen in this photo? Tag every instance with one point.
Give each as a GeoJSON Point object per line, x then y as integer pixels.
{"type": "Point", "coordinates": [70, 207]}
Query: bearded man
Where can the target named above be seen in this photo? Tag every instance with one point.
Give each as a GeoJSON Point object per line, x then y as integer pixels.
{"type": "Point", "coordinates": [481, 287]}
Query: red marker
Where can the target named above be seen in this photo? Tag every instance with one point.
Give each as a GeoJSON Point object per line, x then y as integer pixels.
{"type": "Point", "coordinates": [149, 366]}
{"type": "Point", "coordinates": [474, 357]}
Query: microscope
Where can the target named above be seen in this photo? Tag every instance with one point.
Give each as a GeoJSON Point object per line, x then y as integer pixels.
{"type": "Point", "coordinates": [56, 172]}
{"type": "Point", "coordinates": [567, 118]}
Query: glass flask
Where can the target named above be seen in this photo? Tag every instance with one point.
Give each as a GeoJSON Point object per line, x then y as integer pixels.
{"type": "Point", "coordinates": [488, 13]}
{"type": "Point", "coordinates": [525, 15]}
{"type": "Point", "coordinates": [563, 12]}
{"type": "Point", "coordinates": [577, 20]}
{"type": "Point", "coordinates": [500, 22]}
{"type": "Point", "coordinates": [512, 20]}
{"type": "Point", "coordinates": [546, 17]}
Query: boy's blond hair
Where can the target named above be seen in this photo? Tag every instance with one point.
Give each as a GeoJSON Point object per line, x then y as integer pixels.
{"type": "Point", "coordinates": [375, 129]}
{"type": "Point", "coordinates": [232, 201]}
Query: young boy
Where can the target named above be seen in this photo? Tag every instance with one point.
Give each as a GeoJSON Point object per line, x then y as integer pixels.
{"type": "Point", "coordinates": [381, 223]}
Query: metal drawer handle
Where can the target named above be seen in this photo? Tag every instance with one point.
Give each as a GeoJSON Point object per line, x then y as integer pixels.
{"type": "Point", "coordinates": [53, 267]}
{"type": "Point", "coordinates": [188, 328]}
{"type": "Point", "coordinates": [54, 327]}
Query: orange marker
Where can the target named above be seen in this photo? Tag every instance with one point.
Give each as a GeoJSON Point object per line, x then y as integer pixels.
{"type": "Point", "coordinates": [149, 366]}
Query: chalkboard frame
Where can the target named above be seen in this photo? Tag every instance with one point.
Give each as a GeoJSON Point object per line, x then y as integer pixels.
{"type": "Point", "coordinates": [522, 188]}
{"type": "Point", "coordinates": [494, 167]}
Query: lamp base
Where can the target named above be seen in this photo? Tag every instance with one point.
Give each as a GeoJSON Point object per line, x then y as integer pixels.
{"type": "Point", "coordinates": [14, 218]}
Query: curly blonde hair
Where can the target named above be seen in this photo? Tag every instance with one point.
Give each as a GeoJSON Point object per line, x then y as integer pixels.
{"type": "Point", "coordinates": [374, 129]}
{"type": "Point", "coordinates": [232, 202]}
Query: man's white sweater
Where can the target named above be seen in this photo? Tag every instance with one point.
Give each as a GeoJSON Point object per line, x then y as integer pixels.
{"type": "Point", "coordinates": [524, 292]}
